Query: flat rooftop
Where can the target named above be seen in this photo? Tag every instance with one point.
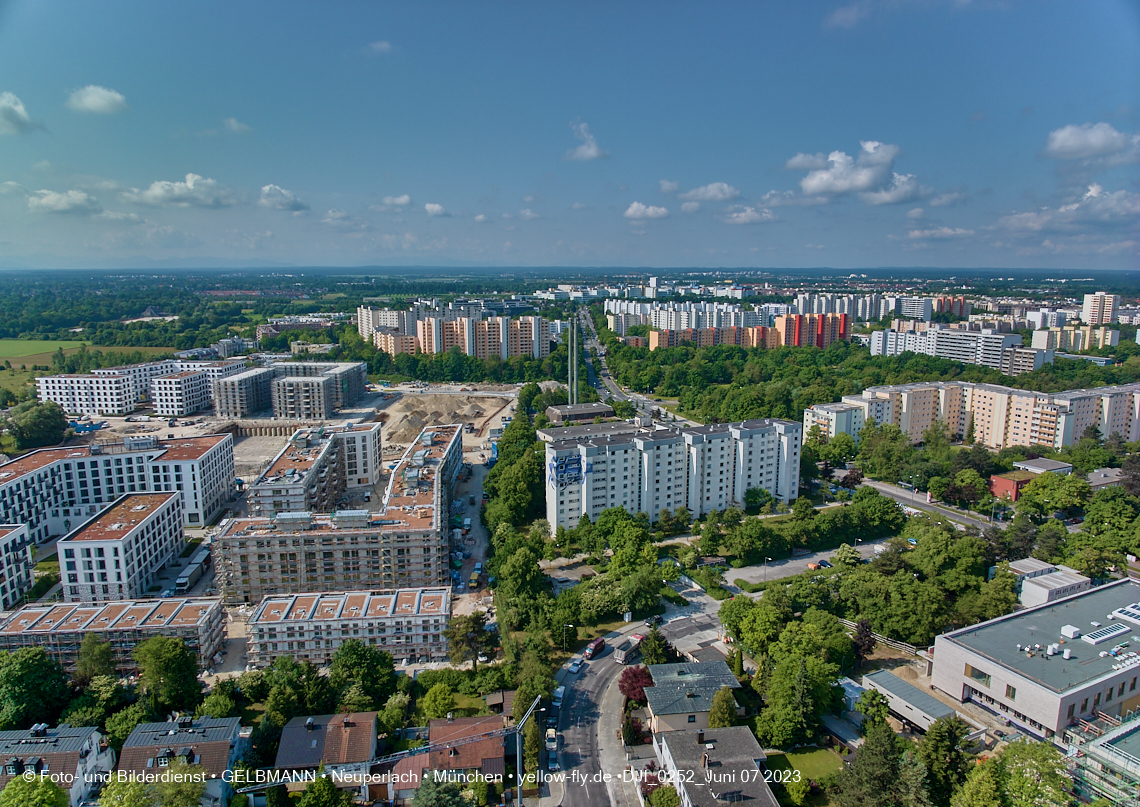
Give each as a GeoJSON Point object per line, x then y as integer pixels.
{"type": "Point", "coordinates": [1125, 738]}
{"type": "Point", "coordinates": [1017, 476]}
{"type": "Point", "coordinates": [1055, 580]}
{"type": "Point", "coordinates": [577, 409]}
{"type": "Point", "coordinates": [1042, 465]}
{"type": "Point", "coordinates": [183, 374]}
{"type": "Point", "coordinates": [413, 486]}
{"type": "Point", "coordinates": [353, 605]}
{"type": "Point", "coordinates": [997, 639]}
{"type": "Point", "coordinates": [119, 519]}
{"type": "Point", "coordinates": [122, 615]}
{"type": "Point", "coordinates": [182, 449]}
{"type": "Point", "coordinates": [586, 430]}
{"type": "Point", "coordinates": [1030, 566]}
{"type": "Point", "coordinates": [295, 460]}
{"type": "Point", "coordinates": [912, 695]}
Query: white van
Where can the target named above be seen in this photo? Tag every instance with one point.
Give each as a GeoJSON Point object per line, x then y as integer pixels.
{"type": "Point", "coordinates": [556, 697]}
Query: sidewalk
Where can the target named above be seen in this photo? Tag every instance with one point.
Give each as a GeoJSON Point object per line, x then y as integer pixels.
{"type": "Point", "coordinates": [611, 748]}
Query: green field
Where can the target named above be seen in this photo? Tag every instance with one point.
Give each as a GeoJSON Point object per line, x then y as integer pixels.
{"type": "Point", "coordinates": [21, 348]}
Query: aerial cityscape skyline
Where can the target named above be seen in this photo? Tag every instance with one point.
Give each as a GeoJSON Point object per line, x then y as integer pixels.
{"type": "Point", "coordinates": [824, 134]}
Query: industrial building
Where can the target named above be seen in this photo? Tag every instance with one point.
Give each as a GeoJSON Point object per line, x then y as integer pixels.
{"type": "Point", "coordinates": [117, 555]}
{"type": "Point", "coordinates": [408, 623]}
{"type": "Point", "coordinates": [703, 468]}
{"type": "Point", "coordinates": [1048, 667]}
{"type": "Point", "coordinates": [59, 628]}
{"type": "Point", "coordinates": [404, 544]}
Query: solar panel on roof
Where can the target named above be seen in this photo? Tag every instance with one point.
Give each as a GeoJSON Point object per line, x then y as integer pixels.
{"type": "Point", "coordinates": [1105, 633]}
{"type": "Point", "coordinates": [1129, 612]}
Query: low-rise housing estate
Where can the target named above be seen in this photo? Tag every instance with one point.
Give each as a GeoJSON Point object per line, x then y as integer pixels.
{"type": "Point", "coordinates": [213, 745]}
{"type": "Point", "coordinates": [77, 758]}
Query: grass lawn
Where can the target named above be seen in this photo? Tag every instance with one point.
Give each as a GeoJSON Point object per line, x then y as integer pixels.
{"type": "Point", "coordinates": [813, 763]}
{"type": "Point", "coordinates": [191, 547]}
{"type": "Point", "coordinates": [20, 348]}
{"type": "Point", "coordinates": [48, 564]}
{"type": "Point", "coordinates": [41, 352]}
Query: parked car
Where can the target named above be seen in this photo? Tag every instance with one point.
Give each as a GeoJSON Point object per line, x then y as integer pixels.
{"type": "Point", "coordinates": [552, 763]}
{"type": "Point", "coordinates": [552, 718]}
{"type": "Point", "coordinates": [813, 566]}
{"type": "Point", "coordinates": [575, 666]}
{"type": "Point", "coordinates": [654, 620]}
{"type": "Point", "coordinates": [552, 740]}
{"type": "Point", "coordinates": [823, 564]}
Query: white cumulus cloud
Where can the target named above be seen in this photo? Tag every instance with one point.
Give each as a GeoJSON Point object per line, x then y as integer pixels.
{"type": "Point", "coordinates": [99, 100]}
{"type": "Point", "coordinates": [691, 207]}
{"type": "Point", "coordinates": [916, 213]}
{"type": "Point", "coordinates": [236, 126]}
{"type": "Point", "coordinates": [665, 186]}
{"type": "Point", "coordinates": [66, 202]}
{"type": "Point", "coordinates": [845, 174]}
{"type": "Point", "coordinates": [807, 162]}
{"type": "Point", "coordinates": [381, 46]}
{"type": "Point", "coordinates": [434, 210]}
{"type": "Point", "coordinates": [397, 201]}
{"type": "Point", "coordinates": [638, 211]}
{"type": "Point", "coordinates": [196, 191]}
{"type": "Point", "coordinates": [528, 215]}
{"type": "Point", "coordinates": [1097, 207]}
{"type": "Point", "coordinates": [14, 119]}
{"type": "Point", "coordinates": [1087, 141]}
{"type": "Point", "coordinates": [903, 188]}
{"type": "Point", "coordinates": [588, 149]}
{"type": "Point", "coordinates": [480, 218]}
{"type": "Point", "coordinates": [741, 214]}
{"type": "Point", "coordinates": [949, 199]}
{"type": "Point", "coordinates": [849, 16]}
{"type": "Point", "coordinates": [941, 233]}
{"type": "Point", "coordinates": [277, 198]}
{"type": "Point", "coordinates": [713, 192]}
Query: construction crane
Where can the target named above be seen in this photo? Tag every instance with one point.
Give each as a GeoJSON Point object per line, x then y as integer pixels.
{"type": "Point", "coordinates": [427, 748]}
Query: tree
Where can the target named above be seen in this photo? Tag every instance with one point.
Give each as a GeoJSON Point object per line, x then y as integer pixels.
{"type": "Point", "coordinates": [357, 664]}
{"type": "Point", "coordinates": [41, 792]}
{"type": "Point", "coordinates": [1035, 775]}
{"type": "Point", "coordinates": [654, 648]}
{"type": "Point", "coordinates": [634, 681]}
{"type": "Point", "coordinates": [468, 638]}
{"type": "Point", "coordinates": [122, 723]}
{"type": "Point", "coordinates": [34, 424]}
{"type": "Point", "coordinates": [664, 796]}
{"type": "Point", "coordinates": [532, 744]}
{"type": "Point", "coordinates": [802, 509]}
{"type": "Point", "coordinates": [984, 787]}
{"type": "Point", "coordinates": [126, 793]}
{"type": "Point", "coordinates": [181, 785]}
{"type": "Point", "coordinates": [864, 640]}
{"type": "Point", "coordinates": [874, 708]}
{"type": "Point", "coordinates": [913, 789]}
{"type": "Point", "coordinates": [433, 793]}
{"type": "Point", "coordinates": [936, 441]}
{"type": "Point", "coordinates": [168, 674]}
{"type": "Point", "coordinates": [943, 753]}
{"type": "Point", "coordinates": [1050, 492]}
{"type": "Point", "coordinates": [873, 779]}
{"type": "Point", "coordinates": [218, 705]}
{"type": "Point", "coordinates": [755, 498]}
{"type": "Point", "coordinates": [392, 716]}
{"type": "Point", "coordinates": [321, 792]}
{"type": "Point", "coordinates": [33, 688]}
{"type": "Point", "coordinates": [722, 713]}
{"type": "Point", "coordinates": [355, 699]}
{"type": "Point", "coordinates": [847, 555]}
{"type": "Point", "coordinates": [438, 701]}
{"type": "Point", "coordinates": [1130, 477]}
{"type": "Point", "coordinates": [95, 658]}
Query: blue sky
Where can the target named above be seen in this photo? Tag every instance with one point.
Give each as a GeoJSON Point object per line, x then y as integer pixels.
{"type": "Point", "coordinates": [872, 133]}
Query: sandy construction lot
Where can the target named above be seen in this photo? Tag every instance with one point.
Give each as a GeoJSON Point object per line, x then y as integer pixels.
{"type": "Point", "coordinates": [405, 417]}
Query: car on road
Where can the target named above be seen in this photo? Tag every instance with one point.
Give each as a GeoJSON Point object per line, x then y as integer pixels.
{"type": "Point", "coordinates": [552, 763]}
{"type": "Point", "coordinates": [654, 620]}
{"type": "Point", "coordinates": [552, 740]}
{"type": "Point", "coordinates": [552, 718]}
{"type": "Point", "coordinates": [575, 666]}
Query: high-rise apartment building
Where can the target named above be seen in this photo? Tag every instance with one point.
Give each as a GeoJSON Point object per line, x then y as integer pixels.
{"type": "Point", "coordinates": [1100, 308]}
{"type": "Point", "coordinates": [1001, 351]}
{"type": "Point", "coordinates": [493, 337]}
{"type": "Point", "coordinates": [180, 394]}
{"type": "Point", "coordinates": [703, 468]}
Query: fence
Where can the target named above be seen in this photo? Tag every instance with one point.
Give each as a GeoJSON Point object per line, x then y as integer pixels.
{"type": "Point", "coordinates": [903, 646]}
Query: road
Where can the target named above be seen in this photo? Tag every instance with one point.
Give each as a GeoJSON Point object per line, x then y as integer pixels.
{"type": "Point", "coordinates": [918, 502]}
{"type": "Point", "coordinates": [788, 567]}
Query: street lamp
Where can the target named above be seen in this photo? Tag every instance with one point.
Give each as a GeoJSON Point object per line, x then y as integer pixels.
{"type": "Point", "coordinates": [766, 569]}
{"type": "Point", "coordinates": [564, 627]}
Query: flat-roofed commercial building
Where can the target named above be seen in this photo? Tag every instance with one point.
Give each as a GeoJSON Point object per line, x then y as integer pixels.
{"type": "Point", "coordinates": [118, 554]}
{"type": "Point", "coordinates": [53, 489]}
{"type": "Point", "coordinates": [59, 628]}
{"type": "Point", "coordinates": [702, 468]}
{"type": "Point", "coordinates": [244, 394]}
{"type": "Point", "coordinates": [561, 414]}
{"type": "Point", "coordinates": [15, 564]}
{"type": "Point", "coordinates": [408, 623]}
{"type": "Point", "coordinates": [402, 545]}
{"type": "Point", "coordinates": [316, 467]}
{"type": "Point", "coordinates": [1048, 667]}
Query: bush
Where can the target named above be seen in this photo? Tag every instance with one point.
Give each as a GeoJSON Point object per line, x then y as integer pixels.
{"type": "Point", "coordinates": [718, 592]}
{"type": "Point", "coordinates": [751, 588]}
{"type": "Point", "coordinates": [669, 595]}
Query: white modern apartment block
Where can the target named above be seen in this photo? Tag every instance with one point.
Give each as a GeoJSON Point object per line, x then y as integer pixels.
{"type": "Point", "coordinates": [53, 489]}
{"type": "Point", "coordinates": [181, 393]}
{"type": "Point", "coordinates": [1100, 308]}
{"type": "Point", "coordinates": [920, 308]}
{"type": "Point", "coordinates": [408, 623]}
{"type": "Point", "coordinates": [835, 418]}
{"type": "Point", "coordinates": [15, 564]}
{"type": "Point", "coordinates": [88, 394]}
{"type": "Point", "coordinates": [121, 390]}
{"type": "Point", "coordinates": [704, 468]}
{"type": "Point", "coordinates": [1001, 351]}
{"type": "Point", "coordinates": [118, 554]}
{"type": "Point", "coordinates": [1045, 668]}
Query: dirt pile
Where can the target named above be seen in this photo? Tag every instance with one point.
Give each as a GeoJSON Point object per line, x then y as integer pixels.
{"type": "Point", "coordinates": [409, 415]}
